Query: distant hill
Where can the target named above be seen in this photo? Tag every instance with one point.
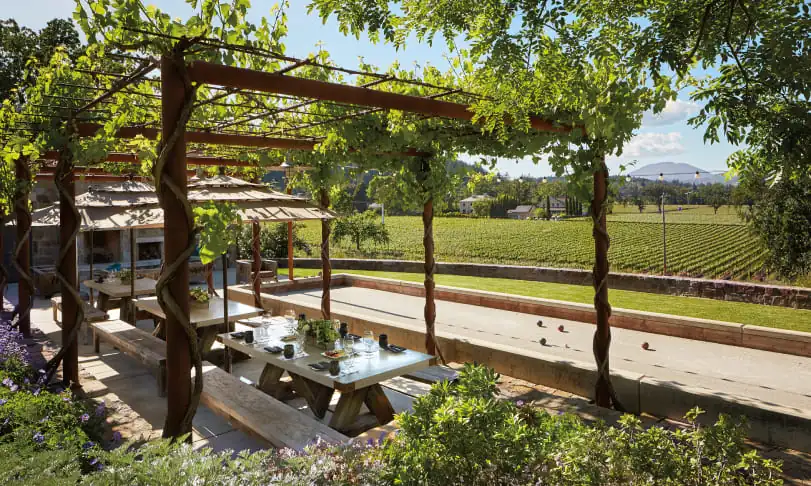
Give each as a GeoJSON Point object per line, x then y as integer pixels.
{"type": "Point", "coordinates": [679, 172]}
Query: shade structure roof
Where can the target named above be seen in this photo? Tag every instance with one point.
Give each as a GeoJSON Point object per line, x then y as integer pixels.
{"type": "Point", "coordinates": [127, 205]}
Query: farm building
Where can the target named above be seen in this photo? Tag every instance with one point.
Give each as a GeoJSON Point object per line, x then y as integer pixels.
{"type": "Point", "coordinates": [521, 212]}
{"type": "Point", "coordinates": [466, 204]}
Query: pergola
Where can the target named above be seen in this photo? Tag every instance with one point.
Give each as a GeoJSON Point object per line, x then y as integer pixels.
{"type": "Point", "coordinates": [299, 104]}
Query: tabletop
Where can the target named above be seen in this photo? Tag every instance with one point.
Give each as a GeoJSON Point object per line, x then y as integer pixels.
{"type": "Point", "coordinates": [381, 366]}
{"type": "Point", "coordinates": [202, 317]}
{"type": "Point", "coordinates": [117, 290]}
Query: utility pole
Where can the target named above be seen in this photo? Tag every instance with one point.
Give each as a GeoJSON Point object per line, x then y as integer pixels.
{"type": "Point", "coordinates": [664, 237]}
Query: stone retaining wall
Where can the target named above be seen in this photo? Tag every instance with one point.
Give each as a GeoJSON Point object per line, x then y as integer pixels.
{"type": "Point", "coordinates": [730, 290]}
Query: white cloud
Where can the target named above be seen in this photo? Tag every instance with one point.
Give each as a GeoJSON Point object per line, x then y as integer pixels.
{"type": "Point", "coordinates": [654, 144]}
{"type": "Point", "coordinates": [674, 112]}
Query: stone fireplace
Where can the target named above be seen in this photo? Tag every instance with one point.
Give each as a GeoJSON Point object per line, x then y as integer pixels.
{"type": "Point", "coordinates": [149, 248]}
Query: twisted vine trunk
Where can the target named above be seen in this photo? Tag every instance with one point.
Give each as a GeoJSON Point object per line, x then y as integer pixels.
{"type": "Point", "coordinates": [605, 395]}
{"type": "Point", "coordinates": [182, 348]}
{"type": "Point", "coordinates": [3, 271]}
{"type": "Point", "coordinates": [326, 268]}
{"type": "Point", "coordinates": [72, 309]}
{"type": "Point", "coordinates": [431, 344]}
{"type": "Point", "coordinates": [22, 256]}
{"type": "Point", "coordinates": [256, 264]}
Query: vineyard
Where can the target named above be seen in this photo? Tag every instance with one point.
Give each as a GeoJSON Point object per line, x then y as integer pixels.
{"type": "Point", "coordinates": [701, 250]}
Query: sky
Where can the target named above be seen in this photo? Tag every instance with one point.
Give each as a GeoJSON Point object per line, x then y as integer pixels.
{"type": "Point", "coordinates": [663, 138]}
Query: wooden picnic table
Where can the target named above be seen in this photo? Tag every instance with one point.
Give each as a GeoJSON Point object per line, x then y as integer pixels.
{"type": "Point", "coordinates": [206, 320]}
{"type": "Point", "coordinates": [114, 289]}
{"type": "Point", "coordinates": [317, 387]}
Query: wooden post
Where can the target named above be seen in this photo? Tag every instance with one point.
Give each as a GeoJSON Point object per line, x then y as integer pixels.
{"type": "Point", "coordinates": [604, 392]}
{"type": "Point", "coordinates": [90, 262]}
{"type": "Point", "coordinates": [68, 226]}
{"type": "Point", "coordinates": [177, 229]}
{"type": "Point", "coordinates": [23, 253]}
{"type": "Point", "coordinates": [3, 271]}
{"type": "Point", "coordinates": [326, 268]}
{"type": "Point", "coordinates": [256, 264]}
{"type": "Point", "coordinates": [289, 239]}
{"type": "Point", "coordinates": [430, 268]}
{"type": "Point", "coordinates": [131, 311]}
{"type": "Point", "coordinates": [227, 357]}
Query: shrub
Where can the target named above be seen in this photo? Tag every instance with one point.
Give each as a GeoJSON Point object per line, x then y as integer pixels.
{"type": "Point", "coordinates": [463, 435]}
{"type": "Point", "coordinates": [272, 241]}
{"type": "Point", "coordinates": [359, 228]}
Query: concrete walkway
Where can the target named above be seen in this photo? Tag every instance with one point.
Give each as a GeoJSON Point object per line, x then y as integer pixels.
{"type": "Point", "coordinates": [769, 380]}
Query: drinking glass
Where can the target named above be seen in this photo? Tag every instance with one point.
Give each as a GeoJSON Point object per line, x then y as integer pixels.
{"type": "Point", "coordinates": [369, 342]}
{"type": "Point", "coordinates": [290, 315]}
{"type": "Point", "coordinates": [349, 349]}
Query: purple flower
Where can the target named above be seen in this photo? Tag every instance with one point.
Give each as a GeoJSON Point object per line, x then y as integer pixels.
{"type": "Point", "coordinates": [39, 438]}
{"type": "Point", "coordinates": [101, 409]}
{"type": "Point", "coordinates": [116, 436]}
{"type": "Point", "coordinates": [382, 438]}
{"type": "Point", "coordinates": [44, 419]}
{"type": "Point", "coordinates": [14, 388]}
{"type": "Point", "coordinates": [36, 392]}
{"type": "Point", "coordinates": [65, 399]}
{"type": "Point", "coordinates": [26, 381]}
{"type": "Point", "coordinates": [7, 382]}
{"type": "Point", "coordinates": [84, 418]}
{"type": "Point", "coordinates": [520, 403]}
{"type": "Point", "coordinates": [3, 402]}
{"type": "Point", "coordinates": [88, 445]}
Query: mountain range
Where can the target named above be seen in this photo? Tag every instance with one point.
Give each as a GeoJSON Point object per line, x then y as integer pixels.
{"type": "Point", "coordinates": [680, 172]}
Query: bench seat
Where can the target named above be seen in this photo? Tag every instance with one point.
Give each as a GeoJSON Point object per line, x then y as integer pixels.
{"type": "Point", "coordinates": [434, 374]}
{"type": "Point", "coordinates": [261, 415]}
{"type": "Point", "coordinates": [134, 342]}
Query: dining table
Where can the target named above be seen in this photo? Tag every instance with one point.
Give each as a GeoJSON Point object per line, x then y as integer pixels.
{"type": "Point", "coordinates": [359, 384]}
{"type": "Point", "coordinates": [206, 320]}
{"type": "Point", "coordinates": [110, 289]}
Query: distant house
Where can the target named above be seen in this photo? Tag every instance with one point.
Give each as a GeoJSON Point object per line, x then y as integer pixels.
{"type": "Point", "coordinates": [521, 212]}
{"type": "Point", "coordinates": [556, 205]}
{"type": "Point", "coordinates": [466, 205]}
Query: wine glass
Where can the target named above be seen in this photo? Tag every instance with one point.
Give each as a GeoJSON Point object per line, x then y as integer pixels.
{"type": "Point", "coordinates": [349, 349]}
{"type": "Point", "coordinates": [290, 315]}
{"type": "Point", "coordinates": [369, 342]}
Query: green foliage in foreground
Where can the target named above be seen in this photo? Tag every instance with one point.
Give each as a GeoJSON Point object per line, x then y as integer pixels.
{"type": "Point", "coordinates": [699, 250]}
{"type": "Point", "coordinates": [740, 312]}
{"type": "Point", "coordinates": [457, 434]}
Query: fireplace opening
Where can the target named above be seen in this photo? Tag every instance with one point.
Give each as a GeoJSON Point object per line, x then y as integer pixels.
{"type": "Point", "coordinates": [150, 250]}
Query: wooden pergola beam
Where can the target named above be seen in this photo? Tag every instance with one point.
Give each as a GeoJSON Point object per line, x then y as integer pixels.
{"type": "Point", "coordinates": [228, 76]}
{"type": "Point", "coordinates": [125, 158]}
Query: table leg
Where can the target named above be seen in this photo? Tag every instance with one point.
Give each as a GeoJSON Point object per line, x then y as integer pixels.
{"type": "Point", "coordinates": [379, 404]}
{"type": "Point", "coordinates": [270, 383]}
{"type": "Point", "coordinates": [104, 302]}
{"type": "Point", "coordinates": [124, 310]}
{"type": "Point", "coordinates": [207, 335]}
{"type": "Point", "coordinates": [160, 329]}
{"type": "Point", "coordinates": [346, 412]}
{"type": "Point", "coordinates": [317, 396]}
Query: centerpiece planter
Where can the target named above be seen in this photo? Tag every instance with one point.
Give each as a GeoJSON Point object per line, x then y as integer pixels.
{"type": "Point", "coordinates": [198, 299]}
{"type": "Point", "coordinates": [125, 277]}
{"type": "Point", "coordinates": [319, 333]}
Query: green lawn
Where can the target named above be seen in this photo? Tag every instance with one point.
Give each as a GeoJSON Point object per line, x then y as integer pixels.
{"type": "Point", "coordinates": [761, 315]}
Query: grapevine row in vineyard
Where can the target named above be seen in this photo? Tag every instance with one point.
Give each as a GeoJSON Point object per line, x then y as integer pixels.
{"type": "Point", "coordinates": [708, 250]}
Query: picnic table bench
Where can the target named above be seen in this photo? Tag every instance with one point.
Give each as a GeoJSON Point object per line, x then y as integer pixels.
{"type": "Point", "coordinates": [134, 342]}
{"type": "Point", "coordinates": [261, 415]}
{"type": "Point", "coordinates": [91, 315]}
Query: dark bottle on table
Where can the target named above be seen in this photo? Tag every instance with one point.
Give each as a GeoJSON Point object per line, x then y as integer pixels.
{"type": "Point", "coordinates": [343, 330]}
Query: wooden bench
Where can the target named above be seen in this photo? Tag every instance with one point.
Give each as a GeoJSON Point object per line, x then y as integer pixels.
{"type": "Point", "coordinates": [91, 314]}
{"type": "Point", "coordinates": [134, 342]}
{"type": "Point", "coordinates": [434, 374]}
{"type": "Point", "coordinates": [261, 415]}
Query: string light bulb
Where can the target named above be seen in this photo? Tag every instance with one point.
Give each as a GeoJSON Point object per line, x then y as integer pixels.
{"type": "Point", "coordinates": [661, 176]}
{"type": "Point", "coordinates": [698, 176]}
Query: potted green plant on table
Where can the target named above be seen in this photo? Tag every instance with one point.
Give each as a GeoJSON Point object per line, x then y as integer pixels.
{"type": "Point", "coordinates": [125, 276]}
{"type": "Point", "coordinates": [319, 332]}
{"type": "Point", "coordinates": [199, 298]}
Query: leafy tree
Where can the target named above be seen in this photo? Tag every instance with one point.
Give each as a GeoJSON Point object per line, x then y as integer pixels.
{"type": "Point", "coordinates": [272, 241]}
{"type": "Point", "coordinates": [19, 45]}
{"type": "Point", "coordinates": [715, 195]}
{"type": "Point", "coordinates": [782, 218]}
{"type": "Point", "coordinates": [359, 228]}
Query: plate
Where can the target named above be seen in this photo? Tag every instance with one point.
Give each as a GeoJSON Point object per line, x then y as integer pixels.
{"type": "Point", "coordinates": [289, 338]}
{"type": "Point", "coordinates": [334, 354]}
